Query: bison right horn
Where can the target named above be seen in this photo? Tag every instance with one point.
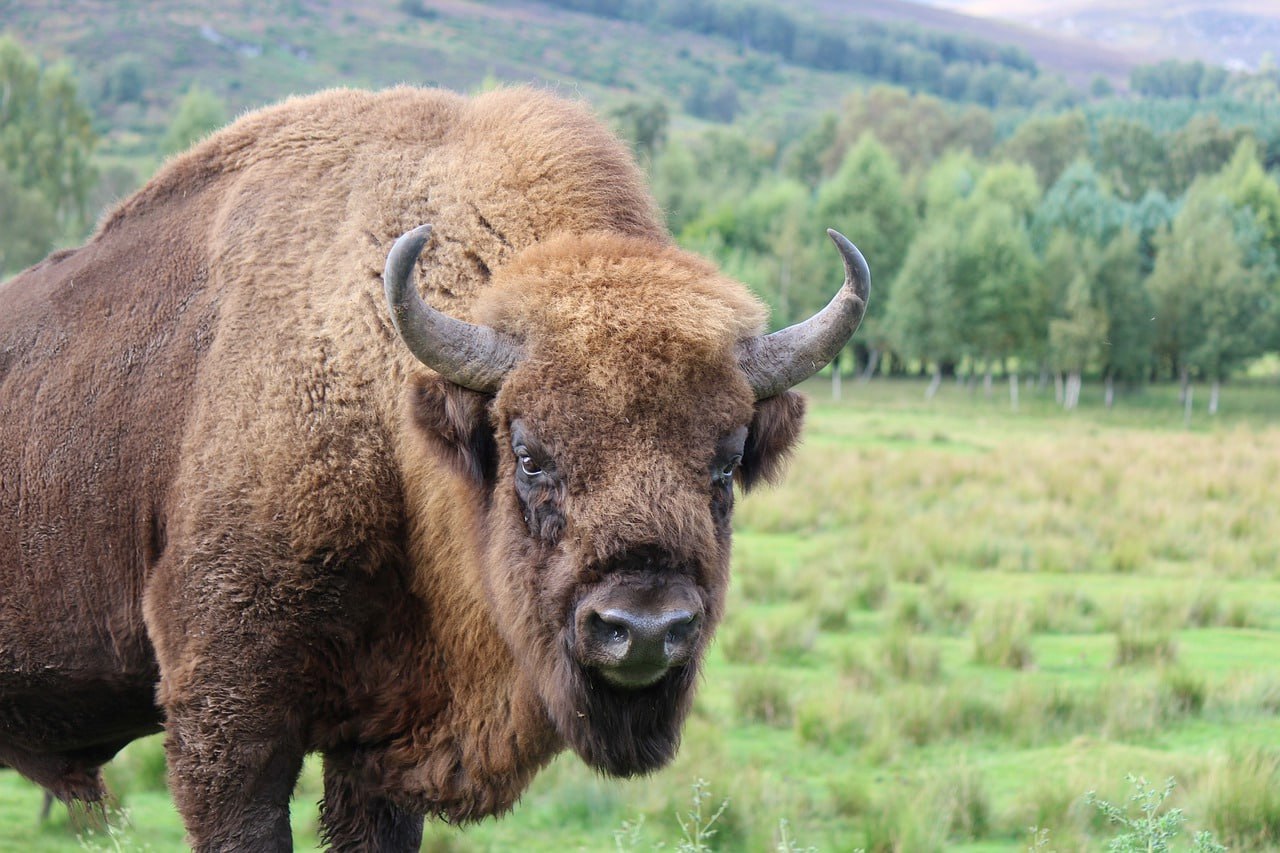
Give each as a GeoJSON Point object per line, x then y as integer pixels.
{"type": "Point", "coordinates": [473, 356]}
{"type": "Point", "coordinates": [773, 363]}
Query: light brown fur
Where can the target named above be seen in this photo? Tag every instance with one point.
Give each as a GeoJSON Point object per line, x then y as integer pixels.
{"type": "Point", "coordinates": [231, 476]}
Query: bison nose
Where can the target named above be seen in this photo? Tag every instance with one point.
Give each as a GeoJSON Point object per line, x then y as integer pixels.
{"type": "Point", "coordinates": [636, 649]}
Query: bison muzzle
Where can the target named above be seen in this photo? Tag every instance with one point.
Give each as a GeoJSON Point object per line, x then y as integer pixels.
{"type": "Point", "coordinates": [247, 505]}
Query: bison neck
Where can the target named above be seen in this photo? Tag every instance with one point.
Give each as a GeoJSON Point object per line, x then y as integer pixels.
{"type": "Point", "coordinates": [462, 730]}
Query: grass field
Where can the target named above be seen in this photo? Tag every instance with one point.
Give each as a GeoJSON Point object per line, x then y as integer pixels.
{"type": "Point", "coordinates": [947, 625]}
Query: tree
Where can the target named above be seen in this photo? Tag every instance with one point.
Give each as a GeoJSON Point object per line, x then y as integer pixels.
{"type": "Point", "coordinates": [917, 129]}
{"type": "Point", "coordinates": [1049, 144]}
{"type": "Point", "coordinates": [1012, 184]}
{"type": "Point", "coordinates": [1131, 157]}
{"type": "Point", "coordinates": [1202, 147]}
{"type": "Point", "coordinates": [1077, 326]}
{"type": "Point", "coordinates": [28, 227]}
{"type": "Point", "coordinates": [200, 112]}
{"type": "Point", "coordinates": [1213, 310]}
{"type": "Point", "coordinates": [644, 125]}
{"type": "Point", "coordinates": [1121, 296]}
{"type": "Point", "coordinates": [1078, 202]}
{"type": "Point", "coordinates": [949, 183]}
{"type": "Point", "coordinates": [804, 159]}
{"type": "Point", "coordinates": [46, 134]}
{"type": "Point", "coordinates": [866, 201]}
{"type": "Point", "coordinates": [923, 315]}
{"type": "Point", "coordinates": [997, 285]}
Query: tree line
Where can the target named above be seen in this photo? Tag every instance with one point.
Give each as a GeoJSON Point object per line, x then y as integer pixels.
{"type": "Point", "coordinates": [952, 65]}
{"type": "Point", "coordinates": [1127, 239]}
{"type": "Point", "coordinates": [1079, 244]}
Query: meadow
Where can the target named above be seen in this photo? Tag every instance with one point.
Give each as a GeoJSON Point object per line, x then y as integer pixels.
{"type": "Point", "coordinates": [947, 625]}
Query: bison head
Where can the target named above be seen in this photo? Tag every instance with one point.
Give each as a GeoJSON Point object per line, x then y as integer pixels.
{"type": "Point", "coordinates": [603, 411]}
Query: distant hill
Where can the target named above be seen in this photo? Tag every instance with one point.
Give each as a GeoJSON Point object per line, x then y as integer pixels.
{"type": "Point", "coordinates": [1238, 34]}
{"type": "Point", "coordinates": [135, 58]}
{"type": "Point", "coordinates": [252, 52]}
{"type": "Point", "coordinates": [1077, 59]}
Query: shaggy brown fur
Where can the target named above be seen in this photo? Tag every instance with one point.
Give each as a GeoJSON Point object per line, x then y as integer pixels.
{"type": "Point", "coordinates": [234, 505]}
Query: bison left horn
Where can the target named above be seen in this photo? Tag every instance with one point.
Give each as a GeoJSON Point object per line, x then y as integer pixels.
{"type": "Point", "coordinates": [773, 363]}
{"type": "Point", "coordinates": [473, 356]}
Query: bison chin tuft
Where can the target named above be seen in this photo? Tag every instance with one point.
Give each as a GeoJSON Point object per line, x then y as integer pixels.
{"type": "Point", "coordinates": [619, 731]}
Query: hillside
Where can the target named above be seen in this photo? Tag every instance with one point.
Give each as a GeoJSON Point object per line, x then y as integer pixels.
{"type": "Point", "coordinates": [1238, 34]}
{"type": "Point", "coordinates": [1077, 59]}
{"type": "Point", "coordinates": [135, 59]}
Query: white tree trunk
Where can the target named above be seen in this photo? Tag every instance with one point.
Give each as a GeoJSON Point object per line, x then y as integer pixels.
{"type": "Point", "coordinates": [873, 361]}
{"type": "Point", "coordinates": [1184, 389]}
{"type": "Point", "coordinates": [986, 382]}
{"type": "Point", "coordinates": [1110, 394]}
{"type": "Point", "coordinates": [1058, 391]}
{"type": "Point", "coordinates": [1213, 396]}
{"type": "Point", "coordinates": [1188, 394]}
{"type": "Point", "coordinates": [1013, 391]}
{"type": "Point", "coordinates": [935, 382]}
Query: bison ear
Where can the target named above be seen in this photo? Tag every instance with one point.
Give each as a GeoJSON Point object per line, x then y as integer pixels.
{"type": "Point", "coordinates": [455, 422]}
{"type": "Point", "coordinates": [770, 438]}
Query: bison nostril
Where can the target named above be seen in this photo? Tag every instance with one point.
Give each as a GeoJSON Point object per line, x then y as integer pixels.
{"type": "Point", "coordinates": [609, 630]}
{"type": "Point", "coordinates": [680, 633]}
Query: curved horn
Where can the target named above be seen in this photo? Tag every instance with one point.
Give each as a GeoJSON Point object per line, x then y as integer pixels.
{"type": "Point", "coordinates": [473, 356]}
{"type": "Point", "coordinates": [773, 363]}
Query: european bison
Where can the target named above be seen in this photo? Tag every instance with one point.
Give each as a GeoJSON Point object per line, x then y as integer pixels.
{"type": "Point", "coordinates": [238, 507]}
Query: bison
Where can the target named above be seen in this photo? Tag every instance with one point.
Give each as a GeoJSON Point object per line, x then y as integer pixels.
{"type": "Point", "coordinates": [247, 505]}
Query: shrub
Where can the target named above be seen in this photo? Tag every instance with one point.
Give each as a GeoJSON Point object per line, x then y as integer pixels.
{"type": "Point", "coordinates": [1154, 826]}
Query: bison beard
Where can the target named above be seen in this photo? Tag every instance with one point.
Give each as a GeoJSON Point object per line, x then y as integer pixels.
{"type": "Point", "coordinates": [622, 732]}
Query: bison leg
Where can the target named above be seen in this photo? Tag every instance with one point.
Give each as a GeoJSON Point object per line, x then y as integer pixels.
{"type": "Point", "coordinates": [233, 791]}
{"type": "Point", "coordinates": [355, 818]}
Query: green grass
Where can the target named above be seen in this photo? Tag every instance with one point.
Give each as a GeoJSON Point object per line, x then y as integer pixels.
{"type": "Point", "coordinates": [947, 625]}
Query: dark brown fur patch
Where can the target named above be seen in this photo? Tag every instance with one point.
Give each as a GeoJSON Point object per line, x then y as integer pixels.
{"type": "Point", "coordinates": [774, 431]}
{"type": "Point", "coordinates": [456, 422]}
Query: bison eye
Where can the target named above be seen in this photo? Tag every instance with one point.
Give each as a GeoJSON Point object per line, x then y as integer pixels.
{"type": "Point", "coordinates": [725, 472]}
{"type": "Point", "coordinates": [528, 467]}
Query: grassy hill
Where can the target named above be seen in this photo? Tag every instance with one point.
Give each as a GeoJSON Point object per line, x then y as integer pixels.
{"type": "Point", "coordinates": [135, 59]}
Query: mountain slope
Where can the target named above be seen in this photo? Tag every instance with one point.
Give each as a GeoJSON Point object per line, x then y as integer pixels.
{"type": "Point", "coordinates": [1238, 34]}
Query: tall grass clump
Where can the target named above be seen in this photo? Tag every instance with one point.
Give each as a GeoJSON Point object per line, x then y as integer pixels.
{"type": "Point", "coordinates": [909, 658]}
{"type": "Point", "coordinates": [897, 823]}
{"type": "Point", "coordinates": [1242, 798]}
{"type": "Point", "coordinates": [779, 637]}
{"type": "Point", "coordinates": [1001, 634]}
{"type": "Point", "coordinates": [1182, 693]}
{"type": "Point", "coordinates": [1136, 645]}
{"type": "Point", "coordinates": [761, 697]}
{"type": "Point", "coordinates": [835, 720]}
{"type": "Point", "coordinates": [961, 802]}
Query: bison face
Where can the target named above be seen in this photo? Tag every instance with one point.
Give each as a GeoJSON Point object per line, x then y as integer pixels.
{"type": "Point", "coordinates": [604, 431]}
{"type": "Point", "coordinates": [607, 523]}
